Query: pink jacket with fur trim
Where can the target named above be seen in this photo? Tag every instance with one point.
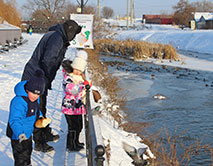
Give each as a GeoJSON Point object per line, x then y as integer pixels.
{"type": "Point", "coordinates": [73, 86]}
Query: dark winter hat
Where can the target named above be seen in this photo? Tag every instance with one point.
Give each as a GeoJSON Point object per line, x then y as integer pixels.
{"type": "Point", "coordinates": [36, 83]}
{"type": "Point", "coordinates": [72, 29]}
{"type": "Point", "coordinates": [66, 64]}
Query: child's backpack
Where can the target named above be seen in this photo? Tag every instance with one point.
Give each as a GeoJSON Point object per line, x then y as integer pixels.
{"type": "Point", "coordinates": [9, 131]}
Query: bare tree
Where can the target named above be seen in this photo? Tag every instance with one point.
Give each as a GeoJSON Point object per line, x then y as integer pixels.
{"type": "Point", "coordinates": [52, 8]}
{"type": "Point", "coordinates": [183, 12]}
{"type": "Point", "coordinates": [107, 12]}
{"type": "Point", "coordinates": [45, 13]}
{"type": "Point", "coordinates": [89, 9]}
{"type": "Point", "coordinates": [203, 6]}
{"type": "Point", "coordinates": [70, 8]}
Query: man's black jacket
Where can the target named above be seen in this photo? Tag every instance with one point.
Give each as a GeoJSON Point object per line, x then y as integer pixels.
{"type": "Point", "coordinates": [48, 54]}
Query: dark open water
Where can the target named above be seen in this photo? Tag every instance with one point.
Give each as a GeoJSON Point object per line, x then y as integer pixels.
{"type": "Point", "coordinates": [188, 107]}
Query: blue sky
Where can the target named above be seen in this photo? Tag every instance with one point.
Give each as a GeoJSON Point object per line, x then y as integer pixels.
{"type": "Point", "coordinates": [140, 6]}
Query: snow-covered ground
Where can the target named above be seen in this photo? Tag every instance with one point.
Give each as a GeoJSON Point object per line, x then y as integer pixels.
{"type": "Point", "coordinates": [11, 68]}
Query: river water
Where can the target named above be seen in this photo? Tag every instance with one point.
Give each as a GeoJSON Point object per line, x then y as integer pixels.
{"type": "Point", "coordinates": [188, 107]}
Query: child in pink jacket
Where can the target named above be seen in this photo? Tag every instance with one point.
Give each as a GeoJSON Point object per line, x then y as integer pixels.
{"type": "Point", "coordinates": [73, 105]}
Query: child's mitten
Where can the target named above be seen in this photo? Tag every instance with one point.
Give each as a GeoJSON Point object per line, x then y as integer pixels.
{"type": "Point", "coordinates": [22, 137]}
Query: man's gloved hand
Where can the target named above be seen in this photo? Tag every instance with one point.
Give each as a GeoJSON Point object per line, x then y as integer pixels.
{"type": "Point", "coordinates": [41, 117]}
{"type": "Point", "coordinates": [22, 137]}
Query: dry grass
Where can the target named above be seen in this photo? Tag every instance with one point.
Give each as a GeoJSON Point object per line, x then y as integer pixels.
{"type": "Point", "coordinates": [100, 29]}
{"type": "Point", "coordinates": [169, 156]}
{"type": "Point", "coordinates": [99, 73]}
{"type": "Point", "coordinates": [108, 150]}
{"type": "Point", "coordinates": [137, 49]}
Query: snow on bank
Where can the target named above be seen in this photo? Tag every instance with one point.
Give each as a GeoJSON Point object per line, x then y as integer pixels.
{"type": "Point", "coordinates": [197, 41]}
{"type": "Point", "coordinates": [185, 62]}
{"type": "Point", "coordinates": [115, 138]}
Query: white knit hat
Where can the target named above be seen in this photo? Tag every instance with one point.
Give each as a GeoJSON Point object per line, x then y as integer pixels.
{"type": "Point", "coordinates": [80, 61]}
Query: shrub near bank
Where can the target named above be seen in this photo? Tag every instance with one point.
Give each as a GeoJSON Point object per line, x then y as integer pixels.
{"type": "Point", "coordinates": [136, 49]}
{"type": "Point", "coordinates": [109, 84]}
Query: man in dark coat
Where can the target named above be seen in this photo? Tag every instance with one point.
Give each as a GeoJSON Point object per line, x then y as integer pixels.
{"type": "Point", "coordinates": [48, 56]}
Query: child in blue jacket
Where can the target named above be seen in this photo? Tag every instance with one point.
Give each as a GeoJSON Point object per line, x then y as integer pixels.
{"type": "Point", "coordinates": [24, 110]}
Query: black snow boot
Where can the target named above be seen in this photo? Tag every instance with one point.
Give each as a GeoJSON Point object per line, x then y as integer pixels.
{"type": "Point", "coordinates": [40, 142]}
{"type": "Point", "coordinates": [77, 140]}
{"type": "Point", "coordinates": [43, 147]}
{"type": "Point", "coordinates": [71, 143]}
{"type": "Point", "coordinates": [49, 135]}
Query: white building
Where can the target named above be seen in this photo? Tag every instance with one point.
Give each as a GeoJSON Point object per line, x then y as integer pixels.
{"type": "Point", "coordinates": [204, 20]}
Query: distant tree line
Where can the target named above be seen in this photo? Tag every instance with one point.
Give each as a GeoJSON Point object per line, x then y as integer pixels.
{"type": "Point", "coordinates": [107, 12]}
{"type": "Point", "coordinates": [45, 13]}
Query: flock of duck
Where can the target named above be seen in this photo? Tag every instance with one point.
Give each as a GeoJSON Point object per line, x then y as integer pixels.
{"type": "Point", "coordinates": [12, 44]}
{"type": "Point", "coordinates": [154, 69]}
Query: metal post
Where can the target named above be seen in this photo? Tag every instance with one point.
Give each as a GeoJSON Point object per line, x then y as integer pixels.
{"type": "Point", "coordinates": [98, 6]}
{"type": "Point", "coordinates": [82, 6]}
{"type": "Point", "coordinates": [132, 9]}
{"type": "Point", "coordinates": [127, 15]}
{"type": "Point", "coordinates": [99, 151]}
{"type": "Point", "coordinates": [94, 152]}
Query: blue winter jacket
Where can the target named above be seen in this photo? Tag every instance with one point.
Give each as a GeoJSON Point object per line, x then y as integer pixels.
{"type": "Point", "coordinates": [18, 119]}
